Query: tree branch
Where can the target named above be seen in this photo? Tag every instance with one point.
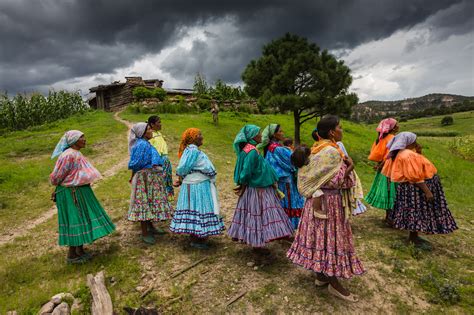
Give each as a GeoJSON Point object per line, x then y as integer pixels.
{"type": "Point", "coordinates": [309, 114]}
{"type": "Point", "coordinates": [312, 116]}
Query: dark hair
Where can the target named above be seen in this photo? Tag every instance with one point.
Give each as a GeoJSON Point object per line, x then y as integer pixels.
{"type": "Point", "coordinates": [314, 134]}
{"type": "Point", "coordinates": [300, 156]}
{"type": "Point", "coordinates": [153, 119]}
{"type": "Point", "coordinates": [326, 124]}
{"type": "Point", "coordinates": [287, 142]}
{"type": "Point", "coordinates": [265, 150]}
{"type": "Point", "coordinates": [383, 136]}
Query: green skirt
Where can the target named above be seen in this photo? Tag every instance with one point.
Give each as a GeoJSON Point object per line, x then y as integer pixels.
{"type": "Point", "coordinates": [382, 193]}
{"type": "Point", "coordinates": [81, 218]}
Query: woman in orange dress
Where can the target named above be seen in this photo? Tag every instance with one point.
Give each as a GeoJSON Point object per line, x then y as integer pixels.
{"type": "Point", "coordinates": [382, 192]}
{"type": "Point", "coordinates": [420, 204]}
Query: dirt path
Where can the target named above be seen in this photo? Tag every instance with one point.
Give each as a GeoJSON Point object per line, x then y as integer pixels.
{"type": "Point", "coordinates": [10, 235]}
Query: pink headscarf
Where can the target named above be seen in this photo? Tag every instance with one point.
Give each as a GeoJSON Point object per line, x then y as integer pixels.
{"type": "Point", "coordinates": [385, 126]}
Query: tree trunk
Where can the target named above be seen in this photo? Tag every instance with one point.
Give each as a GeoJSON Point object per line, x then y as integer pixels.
{"type": "Point", "coordinates": [296, 117]}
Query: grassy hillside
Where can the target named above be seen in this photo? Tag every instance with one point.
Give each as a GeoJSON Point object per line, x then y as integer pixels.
{"type": "Point", "coordinates": [400, 278]}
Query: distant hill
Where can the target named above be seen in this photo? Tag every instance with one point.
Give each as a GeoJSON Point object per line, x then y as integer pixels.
{"type": "Point", "coordinates": [428, 105]}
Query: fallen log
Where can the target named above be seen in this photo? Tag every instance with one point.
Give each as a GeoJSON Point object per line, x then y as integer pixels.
{"type": "Point", "coordinates": [235, 298]}
{"type": "Point", "coordinates": [101, 301]}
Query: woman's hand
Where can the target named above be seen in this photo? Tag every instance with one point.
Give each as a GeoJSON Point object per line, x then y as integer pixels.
{"type": "Point", "coordinates": [53, 196]}
{"type": "Point", "coordinates": [429, 196]}
{"type": "Point", "coordinates": [239, 190]}
{"type": "Point", "coordinates": [318, 210]}
{"type": "Point", "coordinates": [177, 182]}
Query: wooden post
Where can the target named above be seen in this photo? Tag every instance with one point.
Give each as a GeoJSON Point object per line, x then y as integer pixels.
{"type": "Point", "coordinates": [101, 301]}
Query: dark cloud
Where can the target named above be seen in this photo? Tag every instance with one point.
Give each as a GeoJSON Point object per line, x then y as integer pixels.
{"type": "Point", "coordinates": [43, 42]}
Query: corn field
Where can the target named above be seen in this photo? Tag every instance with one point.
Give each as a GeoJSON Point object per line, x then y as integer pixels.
{"type": "Point", "coordinates": [21, 111]}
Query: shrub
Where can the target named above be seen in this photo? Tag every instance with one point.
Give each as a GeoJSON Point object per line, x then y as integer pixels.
{"type": "Point", "coordinates": [447, 120]}
{"type": "Point", "coordinates": [141, 93]}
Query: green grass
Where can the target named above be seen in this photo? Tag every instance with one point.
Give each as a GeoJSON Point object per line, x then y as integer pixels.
{"type": "Point", "coordinates": [32, 268]}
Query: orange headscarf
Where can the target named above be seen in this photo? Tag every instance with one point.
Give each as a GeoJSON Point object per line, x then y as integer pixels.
{"type": "Point", "coordinates": [188, 137]}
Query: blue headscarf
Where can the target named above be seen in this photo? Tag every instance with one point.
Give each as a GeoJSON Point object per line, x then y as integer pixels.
{"type": "Point", "coordinates": [67, 140]}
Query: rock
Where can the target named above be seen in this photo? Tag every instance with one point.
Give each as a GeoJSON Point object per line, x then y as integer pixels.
{"type": "Point", "coordinates": [60, 297]}
{"type": "Point", "coordinates": [61, 309]}
{"type": "Point", "coordinates": [250, 264]}
{"type": "Point", "coordinates": [12, 313]}
{"type": "Point", "coordinates": [112, 279]}
{"type": "Point", "coordinates": [286, 299]}
{"type": "Point", "coordinates": [47, 308]}
{"type": "Point", "coordinates": [76, 305]}
{"type": "Point", "coordinates": [255, 268]}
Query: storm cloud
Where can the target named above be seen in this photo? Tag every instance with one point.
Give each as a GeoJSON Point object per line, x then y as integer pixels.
{"type": "Point", "coordinates": [69, 43]}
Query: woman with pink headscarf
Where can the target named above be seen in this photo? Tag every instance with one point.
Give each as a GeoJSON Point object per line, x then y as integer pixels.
{"type": "Point", "coordinates": [382, 193]}
{"type": "Point", "coordinates": [81, 218]}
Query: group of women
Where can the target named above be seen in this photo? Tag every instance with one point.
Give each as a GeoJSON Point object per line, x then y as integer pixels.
{"type": "Point", "coordinates": [303, 194]}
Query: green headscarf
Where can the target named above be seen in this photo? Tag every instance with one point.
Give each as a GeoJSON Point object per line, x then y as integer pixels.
{"type": "Point", "coordinates": [267, 134]}
{"type": "Point", "coordinates": [245, 135]}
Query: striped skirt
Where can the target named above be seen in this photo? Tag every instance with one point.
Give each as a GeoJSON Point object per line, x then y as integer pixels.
{"type": "Point", "coordinates": [149, 200]}
{"type": "Point", "coordinates": [81, 218]}
{"type": "Point", "coordinates": [195, 212]}
{"type": "Point", "coordinates": [259, 218]}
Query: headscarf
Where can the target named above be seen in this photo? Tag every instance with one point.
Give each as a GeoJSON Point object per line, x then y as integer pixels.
{"type": "Point", "coordinates": [67, 140]}
{"type": "Point", "coordinates": [401, 141]}
{"type": "Point", "coordinates": [245, 135]}
{"type": "Point", "coordinates": [385, 126]}
{"type": "Point", "coordinates": [138, 131]}
{"type": "Point", "coordinates": [188, 137]}
{"type": "Point", "coordinates": [267, 134]}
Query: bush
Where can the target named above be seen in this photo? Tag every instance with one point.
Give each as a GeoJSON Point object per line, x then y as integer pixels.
{"type": "Point", "coordinates": [141, 93]}
{"type": "Point", "coordinates": [447, 120]}
{"type": "Point", "coordinates": [22, 112]}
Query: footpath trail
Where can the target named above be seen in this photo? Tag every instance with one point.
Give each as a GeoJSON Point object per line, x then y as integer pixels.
{"type": "Point", "coordinates": [11, 234]}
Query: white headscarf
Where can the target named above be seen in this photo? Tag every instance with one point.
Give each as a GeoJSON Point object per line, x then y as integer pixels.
{"type": "Point", "coordinates": [401, 141]}
{"type": "Point", "coordinates": [66, 141]}
{"type": "Point", "coordinates": [137, 132]}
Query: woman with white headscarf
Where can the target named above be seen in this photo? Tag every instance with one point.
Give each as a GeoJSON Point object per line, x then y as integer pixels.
{"type": "Point", "coordinates": [81, 218]}
{"type": "Point", "coordinates": [149, 201]}
{"type": "Point", "coordinates": [420, 204]}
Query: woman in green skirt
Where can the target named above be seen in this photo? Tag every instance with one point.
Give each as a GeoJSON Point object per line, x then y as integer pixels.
{"type": "Point", "coordinates": [81, 218]}
{"type": "Point", "coordinates": [383, 191]}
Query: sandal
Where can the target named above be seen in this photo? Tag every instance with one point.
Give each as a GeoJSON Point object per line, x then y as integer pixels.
{"type": "Point", "coordinates": [156, 231]}
{"type": "Point", "coordinates": [76, 261]}
{"type": "Point", "coordinates": [199, 245]}
{"type": "Point", "coordinates": [349, 298]}
{"type": "Point", "coordinates": [320, 283]}
{"type": "Point", "coordinates": [149, 239]}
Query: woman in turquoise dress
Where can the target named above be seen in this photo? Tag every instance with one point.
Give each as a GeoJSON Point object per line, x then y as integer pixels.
{"type": "Point", "coordinates": [197, 211]}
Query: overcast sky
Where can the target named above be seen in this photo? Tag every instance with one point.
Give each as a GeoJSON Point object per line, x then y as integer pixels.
{"type": "Point", "coordinates": [395, 48]}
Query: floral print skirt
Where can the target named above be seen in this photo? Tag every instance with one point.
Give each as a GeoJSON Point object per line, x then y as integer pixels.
{"type": "Point", "coordinates": [149, 199]}
{"type": "Point", "coordinates": [412, 212]}
{"type": "Point", "coordinates": [326, 245]}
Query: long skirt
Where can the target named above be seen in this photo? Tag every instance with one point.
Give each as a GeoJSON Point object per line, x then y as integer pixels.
{"type": "Point", "coordinates": [168, 177]}
{"type": "Point", "coordinates": [259, 218]}
{"type": "Point", "coordinates": [413, 213]}
{"type": "Point", "coordinates": [195, 212]}
{"type": "Point", "coordinates": [382, 192]}
{"type": "Point", "coordinates": [326, 245]}
{"type": "Point", "coordinates": [81, 218]}
{"type": "Point", "coordinates": [149, 200]}
{"type": "Point", "coordinates": [293, 202]}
